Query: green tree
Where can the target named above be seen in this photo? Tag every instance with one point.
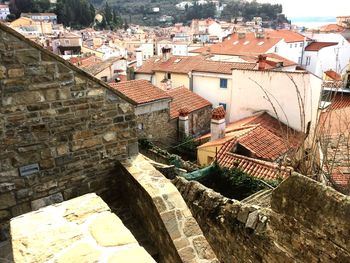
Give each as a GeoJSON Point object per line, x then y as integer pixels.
{"type": "Point", "coordinates": [108, 13]}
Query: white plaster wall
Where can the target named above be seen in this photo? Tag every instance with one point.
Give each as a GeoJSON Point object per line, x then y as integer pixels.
{"type": "Point", "coordinates": [248, 98]}
{"type": "Point", "coordinates": [208, 86]}
{"type": "Point", "coordinates": [291, 51]}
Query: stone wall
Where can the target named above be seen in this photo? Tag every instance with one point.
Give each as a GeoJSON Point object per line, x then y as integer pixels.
{"type": "Point", "coordinates": [79, 230]}
{"type": "Point", "coordinates": [164, 213]}
{"type": "Point", "coordinates": [200, 121]}
{"type": "Point", "coordinates": [71, 127]}
{"type": "Point", "coordinates": [157, 127]}
{"type": "Point", "coordinates": [307, 222]}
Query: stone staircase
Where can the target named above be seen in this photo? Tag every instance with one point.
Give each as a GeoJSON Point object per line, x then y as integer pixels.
{"type": "Point", "coordinates": [261, 198]}
{"type": "Point", "coordinates": [135, 226]}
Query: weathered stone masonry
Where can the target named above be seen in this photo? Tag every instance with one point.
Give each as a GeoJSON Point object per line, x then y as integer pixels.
{"type": "Point", "coordinates": [56, 117]}
{"type": "Point", "coordinates": [307, 222]}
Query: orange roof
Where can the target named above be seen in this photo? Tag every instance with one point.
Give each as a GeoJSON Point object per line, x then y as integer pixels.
{"type": "Point", "coordinates": [257, 168]}
{"type": "Point", "coordinates": [184, 65]}
{"type": "Point", "coordinates": [331, 28]}
{"type": "Point", "coordinates": [184, 98]}
{"type": "Point", "coordinates": [140, 91]}
{"type": "Point", "coordinates": [317, 46]}
{"type": "Point", "coordinates": [250, 44]}
{"type": "Point", "coordinates": [263, 136]}
{"type": "Point", "coordinates": [218, 113]}
{"type": "Point", "coordinates": [333, 75]}
{"type": "Point", "coordinates": [287, 35]}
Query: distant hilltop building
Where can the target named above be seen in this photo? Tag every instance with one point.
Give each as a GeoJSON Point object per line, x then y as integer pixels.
{"type": "Point", "coordinates": [43, 17]}
{"type": "Point", "coordinates": [343, 21]}
{"type": "Point", "coordinates": [4, 11]}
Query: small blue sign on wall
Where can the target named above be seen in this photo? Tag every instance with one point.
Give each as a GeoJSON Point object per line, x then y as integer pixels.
{"type": "Point", "coordinates": [29, 169]}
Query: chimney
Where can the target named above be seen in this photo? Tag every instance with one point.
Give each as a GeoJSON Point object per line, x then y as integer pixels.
{"type": "Point", "coordinates": [184, 125]}
{"type": "Point", "coordinates": [139, 59]}
{"type": "Point", "coordinates": [217, 124]}
{"type": "Point", "coordinates": [262, 62]}
{"type": "Point", "coordinates": [166, 53]}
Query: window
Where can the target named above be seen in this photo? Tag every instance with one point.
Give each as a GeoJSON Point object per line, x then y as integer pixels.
{"type": "Point", "coordinates": [104, 78]}
{"type": "Point", "coordinates": [276, 49]}
{"type": "Point", "coordinates": [223, 105]}
{"type": "Point", "coordinates": [168, 75]}
{"type": "Point", "coordinates": [296, 45]}
{"type": "Point", "coordinates": [308, 61]}
{"type": "Point", "coordinates": [291, 45]}
{"type": "Point", "coordinates": [301, 44]}
{"type": "Point", "coordinates": [223, 83]}
{"type": "Point", "coordinates": [299, 60]}
{"type": "Point", "coordinates": [140, 126]}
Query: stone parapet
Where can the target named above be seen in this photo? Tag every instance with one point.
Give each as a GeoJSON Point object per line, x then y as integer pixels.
{"type": "Point", "coordinates": [80, 230]}
{"type": "Point", "coordinates": [307, 222]}
{"type": "Point", "coordinates": [169, 221]}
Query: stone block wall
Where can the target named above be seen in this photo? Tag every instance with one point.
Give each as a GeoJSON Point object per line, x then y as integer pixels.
{"type": "Point", "coordinates": [200, 121]}
{"type": "Point", "coordinates": [307, 222]}
{"type": "Point", "coordinates": [71, 127]}
{"type": "Point", "coordinates": [170, 224]}
{"type": "Point", "coordinates": [157, 127]}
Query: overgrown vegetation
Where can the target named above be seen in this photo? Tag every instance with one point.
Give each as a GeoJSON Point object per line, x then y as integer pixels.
{"type": "Point", "coordinates": [234, 183]}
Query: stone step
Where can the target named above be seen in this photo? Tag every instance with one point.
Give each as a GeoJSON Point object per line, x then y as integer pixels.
{"type": "Point", "coordinates": [135, 227]}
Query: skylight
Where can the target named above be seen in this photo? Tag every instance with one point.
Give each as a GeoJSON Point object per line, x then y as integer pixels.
{"type": "Point", "coordinates": [246, 43]}
{"type": "Point", "coordinates": [236, 42]}
{"type": "Point", "coordinates": [177, 60]}
{"type": "Point", "coordinates": [260, 43]}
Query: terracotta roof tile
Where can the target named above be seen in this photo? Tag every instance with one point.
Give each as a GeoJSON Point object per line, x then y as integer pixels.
{"type": "Point", "coordinates": [218, 113]}
{"type": "Point", "coordinates": [316, 46]}
{"type": "Point", "coordinates": [331, 28]}
{"type": "Point", "coordinates": [257, 168]}
{"type": "Point", "coordinates": [250, 44]}
{"type": "Point", "coordinates": [184, 98]}
{"type": "Point", "coordinates": [184, 65]}
{"type": "Point", "coordinates": [333, 75]}
{"type": "Point", "coordinates": [140, 91]}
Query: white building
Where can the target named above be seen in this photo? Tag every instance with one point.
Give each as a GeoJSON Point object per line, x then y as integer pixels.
{"type": "Point", "coordinates": [247, 92]}
{"type": "Point", "coordinates": [179, 48]}
{"type": "Point", "coordinates": [329, 52]}
{"type": "Point", "coordinates": [43, 17]}
{"type": "Point", "coordinates": [147, 49]}
{"type": "Point", "coordinates": [4, 11]}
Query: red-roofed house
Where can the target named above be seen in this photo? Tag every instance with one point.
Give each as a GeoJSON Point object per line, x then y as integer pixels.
{"type": "Point", "coordinates": [329, 51]}
{"type": "Point", "coordinates": [288, 44]}
{"type": "Point", "coordinates": [255, 144]}
{"type": "Point", "coordinates": [158, 112]}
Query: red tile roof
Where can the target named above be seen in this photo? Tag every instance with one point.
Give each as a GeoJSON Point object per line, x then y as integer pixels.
{"type": "Point", "coordinates": [218, 113]}
{"type": "Point", "coordinates": [140, 91]}
{"type": "Point", "coordinates": [260, 169]}
{"type": "Point", "coordinates": [184, 65]}
{"type": "Point", "coordinates": [184, 98]}
{"type": "Point", "coordinates": [263, 136]}
{"type": "Point", "coordinates": [331, 28]}
{"type": "Point", "coordinates": [317, 46]}
{"type": "Point", "coordinates": [250, 44]}
{"type": "Point", "coordinates": [332, 74]}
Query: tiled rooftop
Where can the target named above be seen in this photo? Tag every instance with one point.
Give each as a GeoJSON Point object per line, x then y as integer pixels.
{"type": "Point", "coordinates": [184, 65]}
{"type": "Point", "coordinates": [257, 168]}
{"type": "Point", "coordinates": [333, 75]}
{"type": "Point", "coordinates": [184, 98]}
{"type": "Point", "coordinates": [250, 44]}
{"type": "Point", "coordinates": [140, 91]}
{"type": "Point", "coordinates": [317, 46]}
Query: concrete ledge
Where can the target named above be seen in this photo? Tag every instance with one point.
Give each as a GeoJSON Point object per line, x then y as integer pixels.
{"type": "Point", "coordinates": [80, 230]}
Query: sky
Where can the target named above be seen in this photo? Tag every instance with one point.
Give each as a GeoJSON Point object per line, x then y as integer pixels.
{"type": "Point", "coordinates": [312, 8]}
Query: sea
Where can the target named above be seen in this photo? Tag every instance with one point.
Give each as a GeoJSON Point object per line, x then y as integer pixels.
{"type": "Point", "coordinates": [312, 22]}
